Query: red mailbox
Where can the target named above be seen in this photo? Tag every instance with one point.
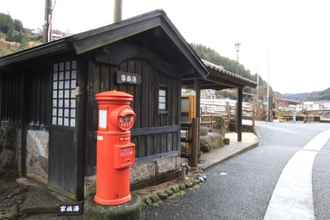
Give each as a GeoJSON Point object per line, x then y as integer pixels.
{"type": "Point", "coordinates": [115, 152]}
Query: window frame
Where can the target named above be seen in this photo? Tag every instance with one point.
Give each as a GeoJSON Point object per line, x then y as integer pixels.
{"type": "Point", "coordinates": [165, 110]}
{"type": "Point", "coordinates": [63, 96]}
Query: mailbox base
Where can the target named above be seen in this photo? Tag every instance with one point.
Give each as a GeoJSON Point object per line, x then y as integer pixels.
{"type": "Point", "coordinates": [120, 201]}
{"type": "Point", "coordinates": [132, 210]}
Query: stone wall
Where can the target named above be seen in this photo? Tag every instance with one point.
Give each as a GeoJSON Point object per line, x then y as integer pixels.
{"type": "Point", "coordinates": [145, 173]}
{"type": "Point", "coordinates": [10, 142]}
{"type": "Point", "coordinates": [152, 169]}
{"type": "Point", "coordinates": [37, 142]}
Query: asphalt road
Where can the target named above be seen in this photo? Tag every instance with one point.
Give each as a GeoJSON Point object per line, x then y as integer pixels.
{"type": "Point", "coordinates": [246, 189]}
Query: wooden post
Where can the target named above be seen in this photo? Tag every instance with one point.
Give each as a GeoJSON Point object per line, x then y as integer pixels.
{"type": "Point", "coordinates": [80, 132]}
{"type": "Point", "coordinates": [227, 115]}
{"type": "Point", "coordinates": [254, 109]}
{"type": "Point", "coordinates": [21, 151]}
{"type": "Point", "coordinates": [195, 127]}
{"type": "Point", "coordinates": [1, 99]}
{"type": "Point", "coordinates": [239, 114]}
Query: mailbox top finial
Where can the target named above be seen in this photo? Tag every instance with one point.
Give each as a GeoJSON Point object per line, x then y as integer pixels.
{"type": "Point", "coordinates": [114, 95]}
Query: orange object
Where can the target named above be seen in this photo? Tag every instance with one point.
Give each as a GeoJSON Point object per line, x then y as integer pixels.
{"type": "Point", "coordinates": [115, 152]}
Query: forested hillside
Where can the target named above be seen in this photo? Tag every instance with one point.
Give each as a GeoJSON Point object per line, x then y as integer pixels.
{"type": "Point", "coordinates": [231, 65]}
{"type": "Point", "coordinates": [13, 35]}
{"type": "Point", "coordinates": [311, 96]}
{"type": "Point", "coordinates": [214, 57]}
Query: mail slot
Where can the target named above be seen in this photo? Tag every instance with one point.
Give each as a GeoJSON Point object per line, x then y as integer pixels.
{"type": "Point", "coordinates": [115, 152]}
{"type": "Point", "coordinates": [125, 156]}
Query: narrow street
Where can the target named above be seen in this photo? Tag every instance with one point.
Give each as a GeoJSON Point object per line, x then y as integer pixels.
{"type": "Point", "coordinates": [242, 187]}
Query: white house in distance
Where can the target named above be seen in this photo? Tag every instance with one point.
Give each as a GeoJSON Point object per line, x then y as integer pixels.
{"type": "Point", "coordinates": [323, 105]}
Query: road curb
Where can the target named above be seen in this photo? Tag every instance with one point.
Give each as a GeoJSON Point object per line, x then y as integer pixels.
{"type": "Point", "coordinates": [257, 132]}
{"type": "Point", "coordinates": [250, 147]}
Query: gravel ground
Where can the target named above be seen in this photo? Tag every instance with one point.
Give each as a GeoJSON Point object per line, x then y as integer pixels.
{"type": "Point", "coordinates": [16, 199]}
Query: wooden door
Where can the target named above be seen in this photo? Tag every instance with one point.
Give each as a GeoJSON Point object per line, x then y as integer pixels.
{"type": "Point", "coordinates": [63, 161]}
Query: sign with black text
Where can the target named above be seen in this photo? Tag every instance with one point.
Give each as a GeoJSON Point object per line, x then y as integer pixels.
{"type": "Point", "coordinates": [128, 78]}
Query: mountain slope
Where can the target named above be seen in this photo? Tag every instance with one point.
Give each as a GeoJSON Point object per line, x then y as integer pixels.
{"type": "Point", "coordinates": [311, 96]}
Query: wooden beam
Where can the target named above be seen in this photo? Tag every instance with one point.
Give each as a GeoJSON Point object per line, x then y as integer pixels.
{"type": "Point", "coordinates": [42, 50]}
{"type": "Point", "coordinates": [195, 128]}
{"type": "Point", "coordinates": [1, 87]}
{"type": "Point", "coordinates": [239, 114]}
{"type": "Point", "coordinates": [81, 123]}
{"type": "Point", "coordinates": [22, 148]}
{"type": "Point", "coordinates": [155, 130]}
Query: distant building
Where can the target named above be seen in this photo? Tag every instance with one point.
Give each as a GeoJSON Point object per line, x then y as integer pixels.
{"type": "Point", "coordinates": [284, 104]}
{"type": "Point", "coordinates": [316, 105]}
{"type": "Point", "coordinates": [208, 94]}
{"type": "Point", "coordinates": [56, 35]}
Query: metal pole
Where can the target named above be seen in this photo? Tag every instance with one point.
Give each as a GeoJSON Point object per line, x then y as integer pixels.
{"type": "Point", "coordinates": [117, 11]}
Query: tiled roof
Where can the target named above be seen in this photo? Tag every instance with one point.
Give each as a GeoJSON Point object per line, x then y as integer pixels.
{"type": "Point", "coordinates": [235, 76]}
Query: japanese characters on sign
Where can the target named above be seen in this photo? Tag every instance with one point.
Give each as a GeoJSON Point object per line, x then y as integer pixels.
{"type": "Point", "coordinates": [128, 78]}
{"type": "Point", "coordinates": [70, 209]}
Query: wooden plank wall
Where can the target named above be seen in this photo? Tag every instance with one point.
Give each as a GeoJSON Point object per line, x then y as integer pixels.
{"type": "Point", "coordinates": [36, 97]}
{"type": "Point", "coordinates": [10, 97]}
{"type": "Point", "coordinates": [102, 77]}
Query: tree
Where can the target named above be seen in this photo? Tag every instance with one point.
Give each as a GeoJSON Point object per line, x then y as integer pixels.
{"type": "Point", "coordinates": [214, 57]}
{"type": "Point", "coordinates": [18, 25]}
{"type": "Point", "coordinates": [6, 23]}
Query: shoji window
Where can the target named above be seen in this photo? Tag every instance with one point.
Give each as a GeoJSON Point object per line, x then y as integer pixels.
{"type": "Point", "coordinates": [63, 94]}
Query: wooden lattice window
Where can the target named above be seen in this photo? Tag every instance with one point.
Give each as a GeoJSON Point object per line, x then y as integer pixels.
{"type": "Point", "coordinates": [162, 99]}
{"type": "Point", "coordinates": [63, 94]}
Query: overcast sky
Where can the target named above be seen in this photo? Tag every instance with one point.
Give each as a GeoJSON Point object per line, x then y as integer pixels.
{"type": "Point", "coordinates": [295, 33]}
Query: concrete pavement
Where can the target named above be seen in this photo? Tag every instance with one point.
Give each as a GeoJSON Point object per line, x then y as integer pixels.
{"type": "Point", "coordinates": [249, 141]}
{"type": "Point", "coordinates": [241, 188]}
{"type": "Point", "coordinates": [321, 184]}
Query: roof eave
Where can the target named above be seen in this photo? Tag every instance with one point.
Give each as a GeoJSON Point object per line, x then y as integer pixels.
{"type": "Point", "coordinates": [86, 41]}
{"type": "Point", "coordinates": [44, 49]}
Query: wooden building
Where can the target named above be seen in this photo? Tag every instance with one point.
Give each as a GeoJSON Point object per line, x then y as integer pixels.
{"type": "Point", "coordinates": [47, 95]}
{"type": "Point", "coordinates": [218, 78]}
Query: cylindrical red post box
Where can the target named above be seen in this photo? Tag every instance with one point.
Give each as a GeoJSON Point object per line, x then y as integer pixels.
{"type": "Point", "coordinates": [115, 151]}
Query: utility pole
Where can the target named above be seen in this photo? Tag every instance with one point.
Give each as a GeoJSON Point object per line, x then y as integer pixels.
{"type": "Point", "coordinates": [237, 47]}
{"type": "Point", "coordinates": [48, 21]}
{"type": "Point", "coordinates": [268, 87]}
{"type": "Point", "coordinates": [117, 11]}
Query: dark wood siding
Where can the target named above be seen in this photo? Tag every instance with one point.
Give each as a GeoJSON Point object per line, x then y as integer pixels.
{"type": "Point", "coordinates": [10, 97]}
{"type": "Point", "coordinates": [38, 98]}
{"type": "Point", "coordinates": [35, 95]}
{"type": "Point", "coordinates": [155, 132]}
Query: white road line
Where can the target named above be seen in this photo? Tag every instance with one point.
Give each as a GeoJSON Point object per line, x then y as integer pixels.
{"type": "Point", "coordinates": [293, 195]}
